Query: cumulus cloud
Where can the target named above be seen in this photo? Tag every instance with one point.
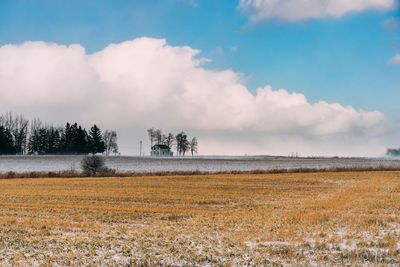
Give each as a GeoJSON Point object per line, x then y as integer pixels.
{"type": "Point", "coordinates": [395, 60]}
{"type": "Point", "coordinates": [295, 10]}
{"type": "Point", "coordinates": [145, 82]}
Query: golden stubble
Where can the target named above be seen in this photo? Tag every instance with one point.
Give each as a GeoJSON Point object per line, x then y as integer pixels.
{"type": "Point", "coordinates": [302, 218]}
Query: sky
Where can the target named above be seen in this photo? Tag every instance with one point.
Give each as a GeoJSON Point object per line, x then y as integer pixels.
{"type": "Point", "coordinates": [254, 77]}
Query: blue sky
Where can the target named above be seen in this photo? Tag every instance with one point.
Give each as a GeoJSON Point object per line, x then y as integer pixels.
{"type": "Point", "coordinates": [340, 59]}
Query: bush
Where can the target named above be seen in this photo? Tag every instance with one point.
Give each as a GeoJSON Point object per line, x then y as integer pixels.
{"type": "Point", "coordinates": [91, 165]}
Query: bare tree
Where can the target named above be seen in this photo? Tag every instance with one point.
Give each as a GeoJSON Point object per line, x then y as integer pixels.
{"type": "Point", "coordinates": [163, 139]}
{"type": "Point", "coordinates": [7, 121]}
{"type": "Point", "coordinates": [36, 124]}
{"type": "Point", "coordinates": [182, 144]}
{"type": "Point", "coordinates": [18, 127]}
{"type": "Point", "coordinates": [20, 133]}
{"type": "Point", "coordinates": [185, 146]}
{"type": "Point", "coordinates": [178, 139]}
{"type": "Point", "coordinates": [169, 140]}
{"type": "Point", "coordinates": [193, 145]}
{"type": "Point", "coordinates": [110, 140]}
{"type": "Point", "coordinates": [115, 149]}
{"type": "Point", "coordinates": [151, 132]}
{"type": "Point", "coordinates": [158, 136]}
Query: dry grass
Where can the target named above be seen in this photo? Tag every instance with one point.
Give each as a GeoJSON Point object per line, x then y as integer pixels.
{"type": "Point", "coordinates": [326, 218]}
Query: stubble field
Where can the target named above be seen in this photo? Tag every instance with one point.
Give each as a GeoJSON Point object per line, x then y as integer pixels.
{"type": "Point", "coordinates": [322, 218]}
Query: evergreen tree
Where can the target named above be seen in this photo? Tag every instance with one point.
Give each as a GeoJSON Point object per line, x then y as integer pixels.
{"type": "Point", "coordinates": [44, 139]}
{"type": "Point", "coordinates": [73, 140]}
{"type": "Point", "coordinates": [38, 143]}
{"type": "Point", "coordinates": [6, 142]}
{"type": "Point", "coordinates": [34, 141]}
{"type": "Point", "coordinates": [54, 140]}
{"type": "Point", "coordinates": [18, 128]}
{"type": "Point", "coordinates": [95, 140]}
{"type": "Point", "coordinates": [81, 141]}
{"type": "Point", "coordinates": [66, 140]}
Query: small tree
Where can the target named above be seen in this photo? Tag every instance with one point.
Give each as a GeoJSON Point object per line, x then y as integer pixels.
{"type": "Point", "coordinates": [182, 144]}
{"type": "Point", "coordinates": [193, 145]}
{"type": "Point", "coordinates": [150, 132]}
{"type": "Point", "coordinates": [91, 165]}
{"type": "Point", "coordinates": [110, 140]}
{"type": "Point", "coordinates": [35, 144]}
{"type": "Point", "coordinates": [20, 133]}
{"type": "Point", "coordinates": [158, 136]}
{"type": "Point", "coordinates": [169, 140]}
{"type": "Point", "coordinates": [96, 142]}
{"type": "Point", "coordinates": [6, 142]}
{"type": "Point", "coordinates": [18, 127]}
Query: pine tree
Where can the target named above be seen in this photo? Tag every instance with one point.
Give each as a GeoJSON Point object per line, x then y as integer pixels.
{"type": "Point", "coordinates": [81, 142]}
{"type": "Point", "coordinates": [33, 142]}
{"type": "Point", "coordinates": [54, 140]}
{"type": "Point", "coordinates": [95, 141]}
{"type": "Point", "coordinates": [66, 140]}
{"type": "Point", "coordinates": [6, 142]}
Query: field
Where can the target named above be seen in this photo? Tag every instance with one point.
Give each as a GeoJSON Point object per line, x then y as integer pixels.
{"type": "Point", "coordinates": [322, 218]}
{"type": "Point", "coordinates": [55, 163]}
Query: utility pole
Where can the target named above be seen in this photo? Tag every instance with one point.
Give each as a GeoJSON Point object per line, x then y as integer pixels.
{"type": "Point", "coordinates": [140, 142]}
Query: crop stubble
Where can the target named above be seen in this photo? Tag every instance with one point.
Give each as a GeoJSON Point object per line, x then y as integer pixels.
{"type": "Point", "coordinates": [300, 218]}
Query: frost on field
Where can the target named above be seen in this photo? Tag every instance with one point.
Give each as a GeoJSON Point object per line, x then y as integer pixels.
{"type": "Point", "coordinates": [315, 218]}
{"type": "Point", "coordinates": [210, 164]}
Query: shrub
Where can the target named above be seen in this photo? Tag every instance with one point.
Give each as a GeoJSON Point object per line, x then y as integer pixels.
{"type": "Point", "coordinates": [91, 165]}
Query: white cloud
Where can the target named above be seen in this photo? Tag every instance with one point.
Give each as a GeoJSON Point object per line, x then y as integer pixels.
{"type": "Point", "coordinates": [36, 72]}
{"type": "Point", "coordinates": [297, 10]}
{"type": "Point", "coordinates": [395, 60]}
{"type": "Point", "coordinates": [145, 82]}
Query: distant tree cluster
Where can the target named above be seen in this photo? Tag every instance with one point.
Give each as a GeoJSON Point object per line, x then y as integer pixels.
{"type": "Point", "coordinates": [72, 139]}
{"type": "Point", "coordinates": [13, 134]}
{"type": "Point", "coordinates": [180, 141]}
{"type": "Point", "coordinates": [393, 152]}
{"type": "Point", "coordinates": [19, 136]}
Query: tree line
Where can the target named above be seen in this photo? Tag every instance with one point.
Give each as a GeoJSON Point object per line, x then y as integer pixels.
{"type": "Point", "coordinates": [19, 136]}
{"type": "Point", "coordinates": [180, 141]}
{"type": "Point", "coordinates": [393, 152]}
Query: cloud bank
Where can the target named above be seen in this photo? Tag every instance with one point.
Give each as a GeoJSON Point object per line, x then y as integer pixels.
{"type": "Point", "coordinates": [145, 82]}
{"type": "Point", "coordinates": [295, 10]}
